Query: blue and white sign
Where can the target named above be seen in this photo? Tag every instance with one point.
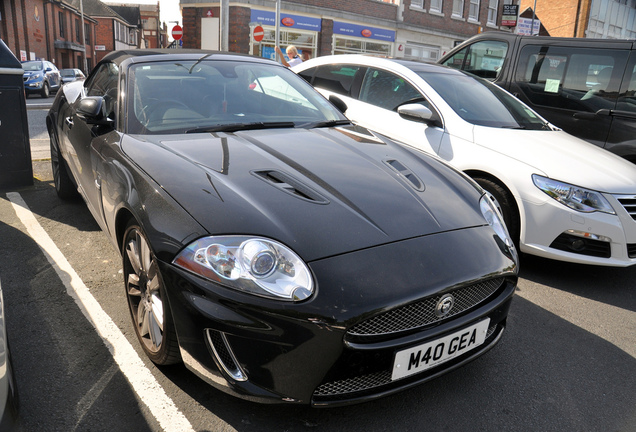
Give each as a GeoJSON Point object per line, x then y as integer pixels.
{"type": "Point", "coordinates": [357, 30]}
{"type": "Point", "coordinates": [287, 20]}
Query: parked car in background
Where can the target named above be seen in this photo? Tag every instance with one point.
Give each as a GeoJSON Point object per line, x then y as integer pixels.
{"type": "Point", "coordinates": [70, 75]}
{"type": "Point", "coordinates": [9, 402]}
{"type": "Point", "coordinates": [284, 254]}
{"type": "Point", "coordinates": [561, 197]}
{"type": "Point", "coordinates": [41, 77]}
{"type": "Point", "coordinates": [587, 87]}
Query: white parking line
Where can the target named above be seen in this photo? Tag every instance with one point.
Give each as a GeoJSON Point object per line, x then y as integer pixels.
{"type": "Point", "coordinates": [143, 382]}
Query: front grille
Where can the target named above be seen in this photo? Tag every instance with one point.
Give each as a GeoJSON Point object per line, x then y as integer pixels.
{"type": "Point", "coordinates": [368, 382]}
{"type": "Point", "coordinates": [422, 313]}
{"type": "Point", "coordinates": [629, 203]}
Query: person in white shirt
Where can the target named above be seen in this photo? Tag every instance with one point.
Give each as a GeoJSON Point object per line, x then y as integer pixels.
{"type": "Point", "coordinates": [292, 53]}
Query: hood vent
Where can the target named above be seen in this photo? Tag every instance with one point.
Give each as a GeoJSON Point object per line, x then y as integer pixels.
{"type": "Point", "coordinates": [406, 173]}
{"type": "Point", "coordinates": [290, 185]}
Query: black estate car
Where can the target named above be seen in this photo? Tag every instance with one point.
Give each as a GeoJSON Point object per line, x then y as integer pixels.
{"type": "Point", "coordinates": [281, 252]}
{"type": "Point", "coordinates": [587, 87]}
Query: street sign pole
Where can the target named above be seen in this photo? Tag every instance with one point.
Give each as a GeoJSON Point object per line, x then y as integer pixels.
{"type": "Point", "coordinates": [277, 38]}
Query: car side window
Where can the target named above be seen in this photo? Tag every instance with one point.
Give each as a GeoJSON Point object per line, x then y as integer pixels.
{"type": "Point", "coordinates": [484, 58]}
{"type": "Point", "coordinates": [104, 83]}
{"type": "Point", "coordinates": [570, 78]}
{"type": "Point", "coordinates": [336, 78]}
{"type": "Point", "coordinates": [387, 90]}
{"type": "Point", "coordinates": [627, 97]}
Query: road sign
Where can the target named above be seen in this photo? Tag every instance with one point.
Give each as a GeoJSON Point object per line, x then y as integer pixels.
{"type": "Point", "coordinates": [177, 32]}
{"type": "Point", "coordinates": [258, 33]}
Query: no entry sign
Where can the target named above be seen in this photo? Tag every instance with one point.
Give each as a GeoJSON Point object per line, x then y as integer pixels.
{"type": "Point", "coordinates": [177, 32]}
{"type": "Point", "coordinates": [258, 33]}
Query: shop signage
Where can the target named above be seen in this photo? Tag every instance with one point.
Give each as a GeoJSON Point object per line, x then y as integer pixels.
{"type": "Point", "coordinates": [300, 22]}
{"type": "Point", "coordinates": [357, 30]}
{"type": "Point", "coordinates": [524, 25]}
{"type": "Point", "coordinates": [509, 15]}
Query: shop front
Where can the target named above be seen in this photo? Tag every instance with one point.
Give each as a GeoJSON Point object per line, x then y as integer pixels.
{"type": "Point", "coordinates": [351, 38]}
{"type": "Point", "coordinates": [300, 31]}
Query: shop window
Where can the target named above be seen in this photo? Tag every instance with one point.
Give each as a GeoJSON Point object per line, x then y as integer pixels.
{"type": "Point", "coordinates": [421, 52]}
{"type": "Point", "coordinates": [358, 46]}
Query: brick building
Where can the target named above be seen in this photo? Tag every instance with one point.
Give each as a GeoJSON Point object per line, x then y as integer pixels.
{"type": "Point", "coordinates": [606, 19]}
{"type": "Point", "coordinates": [419, 29]}
{"type": "Point", "coordinates": [118, 27]}
{"type": "Point", "coordinates": [49, 30]}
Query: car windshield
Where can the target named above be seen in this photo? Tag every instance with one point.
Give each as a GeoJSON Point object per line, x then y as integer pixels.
{"type": "Point", "coordinates": [482, 103]}
{"type": "Point", "coordinates": [67, 73]}
{"type": "Point", "coordinates": [221, 95]}
{"type": "Point", "coordinates": [32, 66]}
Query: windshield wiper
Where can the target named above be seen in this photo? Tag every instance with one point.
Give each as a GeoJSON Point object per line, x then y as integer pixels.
{"type": "Point", "coordinates": [328, 123]}
{"type": "Point", "coordinates": [234, 127]}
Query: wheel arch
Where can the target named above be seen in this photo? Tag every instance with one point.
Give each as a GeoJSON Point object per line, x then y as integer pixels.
{"type": "Point", "coordinates": [473, 173]}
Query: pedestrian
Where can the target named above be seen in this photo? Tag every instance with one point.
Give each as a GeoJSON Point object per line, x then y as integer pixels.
{"type": "Point", "coordinates": [292, 53]}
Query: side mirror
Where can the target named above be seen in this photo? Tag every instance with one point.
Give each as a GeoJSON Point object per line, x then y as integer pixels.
{"type": "Point", "coordinates": [418, 113]}
{"type": "Point", "coordinates": [338, 103]}
{"type": "Point", "coordinates": [91, 109]}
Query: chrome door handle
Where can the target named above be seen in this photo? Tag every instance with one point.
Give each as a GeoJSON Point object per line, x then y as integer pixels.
{"type": "Point", "coordinates": [69, 122]}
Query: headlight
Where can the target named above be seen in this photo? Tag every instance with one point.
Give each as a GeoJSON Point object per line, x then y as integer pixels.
{"type": "Point", "coordinates": [577, 198]}
{"type": "Point", "coordinates": [251, 264]}
{"type": "Point", "coordinates": [494, 219]}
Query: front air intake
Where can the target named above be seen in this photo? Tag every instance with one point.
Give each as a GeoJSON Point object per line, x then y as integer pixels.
{"type": "Point", "coordinates": [220, 347]}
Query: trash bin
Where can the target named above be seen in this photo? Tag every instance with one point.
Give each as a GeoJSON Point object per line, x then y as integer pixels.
{"type": "Point", "coordinates": [15, 149]}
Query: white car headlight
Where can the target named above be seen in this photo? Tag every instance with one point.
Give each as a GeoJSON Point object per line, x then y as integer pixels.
{"type": "Point", "coordinates": [251, 264]}
{"type": "Point", "coordinates": [494, 219]}
{"type": "Point", "coordinates": [575, 197]}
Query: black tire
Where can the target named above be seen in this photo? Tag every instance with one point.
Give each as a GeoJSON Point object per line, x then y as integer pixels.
{"type": "Point", "coordinates": [46, 90]}
{"type": "Point", "coordinates": [64, 186]}
{"type": "Point", "coordinates": [144, 289]}
{"type": "Point", "coordinates": [506, 204]}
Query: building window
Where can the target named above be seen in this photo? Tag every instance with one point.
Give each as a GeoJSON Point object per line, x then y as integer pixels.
{"type": "Point", "coordinates": [492, 12]}
{"type": "Point", "coordinates": [60, 18]}
{"type": "Point", "coordinates": [417, 4]}
{"type": "Point", "coordinates": [77, 31]}
{"type": "Point", "coordinates": [458, 8]}
{"type": "Point", "coordinates": [344, 45]}
{"type": "Point", "coordinates": [473, 10]}
{"type": "Point", "coordinates": [436, 6]}
{"type": "Point", "coordinates": [87, 34]}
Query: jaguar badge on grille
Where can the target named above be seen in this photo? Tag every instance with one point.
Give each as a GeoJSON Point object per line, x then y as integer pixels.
{"type": "Point", "coordinates": [444, 305]}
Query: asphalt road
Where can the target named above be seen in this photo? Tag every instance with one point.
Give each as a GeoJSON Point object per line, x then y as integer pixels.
{"type": "Point", "coordinates": [567, 361]}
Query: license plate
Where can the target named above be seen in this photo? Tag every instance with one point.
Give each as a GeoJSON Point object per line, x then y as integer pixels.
{"type": "Point", "coordinates": [417, 359]}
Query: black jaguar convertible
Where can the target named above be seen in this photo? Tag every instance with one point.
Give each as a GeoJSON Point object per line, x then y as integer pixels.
{"type": "Point", "coordinates": [281, 252]}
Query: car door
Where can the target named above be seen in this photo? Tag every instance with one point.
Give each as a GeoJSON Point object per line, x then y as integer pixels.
{"type": "Point", "coordinates": [84, 138]}
{"type": "Point", "coordinates": [52, 74]}
{"type": "Point", "coordinates": [381, 93]}
{"type": "Point", "coordinates": [573, 87]}
{"type": "Point", "coordinates": [622, 136]}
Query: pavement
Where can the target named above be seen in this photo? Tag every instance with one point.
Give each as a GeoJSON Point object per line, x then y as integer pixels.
{"type": "Point", "coordinates": [38, 136]}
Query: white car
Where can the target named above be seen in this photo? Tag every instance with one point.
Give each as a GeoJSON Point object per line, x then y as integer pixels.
{"type": "Point", "coordinates": [561, 197]}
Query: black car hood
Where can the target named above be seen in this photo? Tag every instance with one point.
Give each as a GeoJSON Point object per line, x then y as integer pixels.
{"type": "Point", "coordinates": [322, 191]}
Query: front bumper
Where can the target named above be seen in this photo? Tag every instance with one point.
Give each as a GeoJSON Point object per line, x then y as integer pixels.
{"type": "Point", "coordinates": [552, 231]}
{"type": "Point", "coordinates": [274, 352]}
